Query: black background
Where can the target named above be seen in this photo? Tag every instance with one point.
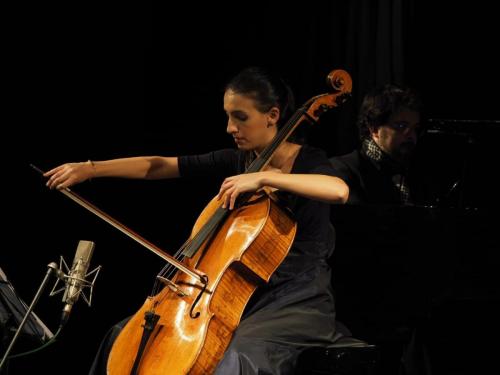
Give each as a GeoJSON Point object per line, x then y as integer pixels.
{"type": "Point", "coordinates": [98, 82]}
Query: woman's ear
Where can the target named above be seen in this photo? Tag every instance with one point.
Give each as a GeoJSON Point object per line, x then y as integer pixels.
{"type": "Point", "coordinates": [273, 115]}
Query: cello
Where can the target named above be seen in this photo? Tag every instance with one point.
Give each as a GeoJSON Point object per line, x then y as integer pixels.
{"type": "Point", "coordinates": [187, 322]}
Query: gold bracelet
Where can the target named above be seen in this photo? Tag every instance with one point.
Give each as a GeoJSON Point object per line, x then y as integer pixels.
{"type": "Point", "coordinates": [93, 167]}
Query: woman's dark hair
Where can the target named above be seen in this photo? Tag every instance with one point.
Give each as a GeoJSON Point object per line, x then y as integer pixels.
{"type": "Point", "coordinates": [266, 89]}
{"type": "Point", "coordinates": [379, 104]}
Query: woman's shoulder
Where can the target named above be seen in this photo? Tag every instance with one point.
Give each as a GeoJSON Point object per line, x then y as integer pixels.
{"type": "Point", "coordinates": [313, 152]}
{"type": "Point", "coordinates": [311, 158]}
{"type": "Point", "coordinates": [219, 162]}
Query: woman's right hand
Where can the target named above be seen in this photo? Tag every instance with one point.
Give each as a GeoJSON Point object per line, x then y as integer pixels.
{"type": "Point", "coordinates": [69, 174]}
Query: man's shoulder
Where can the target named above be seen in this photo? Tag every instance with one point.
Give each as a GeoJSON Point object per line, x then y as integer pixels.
{"type": "Point", "coordinates": [350, 160]}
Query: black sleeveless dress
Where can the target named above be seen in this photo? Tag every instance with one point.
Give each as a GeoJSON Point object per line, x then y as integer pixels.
{"type": "Point", "coordinates": [296, 308]}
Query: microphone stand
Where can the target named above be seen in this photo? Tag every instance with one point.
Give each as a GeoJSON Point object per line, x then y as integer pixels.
{"type": "Point", "coordinates": [52, 268]}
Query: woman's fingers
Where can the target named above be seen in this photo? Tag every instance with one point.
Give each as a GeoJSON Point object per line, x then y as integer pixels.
{"type": "Point", "coordinates": [230, 198]}
{"type": "Point", "coordinates": [233, 186]}
{"type": "Point", "coordinates": [54, 179]}
{"type": "Point", "coordinates": [232, 201]}
{"type": "Point", "coordinates": [222, 189]}
{"type": "Point", "coordinates": [53, 170]}
{"type": "Point", "coordinates": [226, 185]}
{"type": "Point", "coordinates": [65, 176]}
{"type": "Point", "coordinates": [59, 180]}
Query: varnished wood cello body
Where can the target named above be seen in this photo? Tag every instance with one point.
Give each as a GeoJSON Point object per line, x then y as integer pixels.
{"type": "Point", "coordinates": [187, 323]}
{"type": "Point", "coordinates": [245, 251]}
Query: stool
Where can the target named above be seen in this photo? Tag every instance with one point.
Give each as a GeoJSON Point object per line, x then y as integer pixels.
{"type": "Point", "coordinates": [348, 356]}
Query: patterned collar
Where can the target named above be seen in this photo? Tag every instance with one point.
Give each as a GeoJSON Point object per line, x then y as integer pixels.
{"type": "Point", "coordinates": [380, 159]}
{"type": "Point", "coordinates": [372, 150]}
{"type": "Point", "coordinates": [388, 166]}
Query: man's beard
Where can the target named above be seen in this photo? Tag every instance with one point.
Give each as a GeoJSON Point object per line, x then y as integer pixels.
{"type": "Point", "coordinates": [405, 152]}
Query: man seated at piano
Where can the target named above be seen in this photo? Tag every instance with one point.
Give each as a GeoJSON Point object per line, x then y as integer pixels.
{"type": "Point", "coordinates": [389, 127]}
{"type": "Point", "coordinates": [379, 269]}
{"type": "Point", "coordinates": [416, 243]}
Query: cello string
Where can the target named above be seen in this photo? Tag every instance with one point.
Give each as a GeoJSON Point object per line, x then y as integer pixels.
{"type": "Point", "coordinates": [196, 241]}
{"type": "Point", "coordinates": [192, 245]}
{"type": "Point", "coordinates": [257, 163]}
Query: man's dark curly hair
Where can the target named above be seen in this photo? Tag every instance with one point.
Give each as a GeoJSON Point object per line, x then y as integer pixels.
{"type": "Point", "coordinates": [379, 104]}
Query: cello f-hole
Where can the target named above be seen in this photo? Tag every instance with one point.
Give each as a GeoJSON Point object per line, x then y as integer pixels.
{"type": "Point", "coordinates": [191, 312]}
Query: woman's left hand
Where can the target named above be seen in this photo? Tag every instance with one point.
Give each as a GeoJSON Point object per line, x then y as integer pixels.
{"type": "Point", "coordinates": [233, 186]}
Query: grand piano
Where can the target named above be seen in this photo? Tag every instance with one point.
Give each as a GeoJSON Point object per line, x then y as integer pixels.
{"type": "Point", "coordinates": [422, 282]}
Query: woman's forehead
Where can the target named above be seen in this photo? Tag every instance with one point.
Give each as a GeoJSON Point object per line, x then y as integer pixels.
{"type": "Point", "coordinates": [236, 101]}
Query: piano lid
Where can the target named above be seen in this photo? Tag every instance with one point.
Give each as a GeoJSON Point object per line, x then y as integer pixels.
{"type": "Point", "coordinates": [461, 127]}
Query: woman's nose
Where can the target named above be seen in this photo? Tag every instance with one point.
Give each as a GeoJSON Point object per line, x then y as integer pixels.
{"type": "Point", "coordinates": [231, 128]}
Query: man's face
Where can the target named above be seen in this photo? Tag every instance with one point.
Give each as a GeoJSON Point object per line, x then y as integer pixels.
{"type": "Point", "coordinates": [398, 137]}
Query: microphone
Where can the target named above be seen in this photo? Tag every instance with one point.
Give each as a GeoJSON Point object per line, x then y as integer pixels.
{"type": "Point", "coordinates": [76, 279]}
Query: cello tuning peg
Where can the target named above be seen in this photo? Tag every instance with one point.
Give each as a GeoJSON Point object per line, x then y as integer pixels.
{"type": "Point", "coordinates": [342, 98]}
{"type": "Point", "coordinates": [321, 109]}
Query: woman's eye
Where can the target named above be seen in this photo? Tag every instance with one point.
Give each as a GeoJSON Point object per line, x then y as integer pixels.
{"type": "Point", "coordinates": [241, 117]}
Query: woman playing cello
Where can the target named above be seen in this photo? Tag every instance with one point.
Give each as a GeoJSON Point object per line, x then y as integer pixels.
{"type": "Point", "coordinates": [296, 308]}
